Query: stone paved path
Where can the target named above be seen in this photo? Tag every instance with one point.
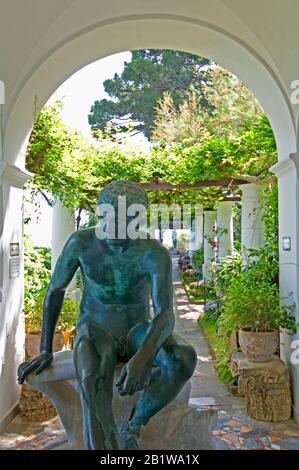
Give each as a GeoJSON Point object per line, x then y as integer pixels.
{"type": "Point", "coordinates": [234, 430]}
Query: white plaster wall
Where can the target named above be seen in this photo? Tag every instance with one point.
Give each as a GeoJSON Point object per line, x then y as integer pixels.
{"type": "Point", "coordinates": [11, 321]}
{"type": "Point", "coordinates": [288, 184]}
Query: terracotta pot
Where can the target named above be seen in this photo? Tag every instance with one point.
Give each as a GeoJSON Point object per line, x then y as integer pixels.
{"type": "Point", "coordinates": [67, 336]}
{"type": "Point", "coordinates": [258, 346]}
{"type": "Point", "coordinates": [32, 343]}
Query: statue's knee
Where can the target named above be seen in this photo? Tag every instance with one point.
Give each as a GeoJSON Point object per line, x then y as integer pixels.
{"type": "Point", "coordinates": [85, 363]}
{"type": "Point", "coordinates": [82, 346]}
{"type": "Point", "coordinates": [187, 362]}
{"type": "Point", "coordinates": [94, 353]}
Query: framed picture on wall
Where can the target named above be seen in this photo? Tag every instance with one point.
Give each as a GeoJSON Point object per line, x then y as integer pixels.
{"type": "Point", "coordinates": [14, 249]}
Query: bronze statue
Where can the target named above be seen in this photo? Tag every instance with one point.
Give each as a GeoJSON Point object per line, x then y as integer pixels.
{"type": "Point", "coordinates": [118, 276]}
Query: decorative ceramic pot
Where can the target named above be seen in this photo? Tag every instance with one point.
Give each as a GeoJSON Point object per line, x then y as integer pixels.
{"type": "Point", "coordinates": [67, 337]}
{"type": "Point", "coordinates": [32, 343]}
{"type": "Point", "coordinates": [258, 346]}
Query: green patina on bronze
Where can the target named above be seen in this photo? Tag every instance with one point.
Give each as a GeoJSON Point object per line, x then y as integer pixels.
{"type": "Point", "coordinates": [119, 277]}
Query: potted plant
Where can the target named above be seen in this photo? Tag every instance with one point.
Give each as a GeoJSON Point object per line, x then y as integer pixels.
{"type": "Point", "coordinates": [33, 322]}
{"type": "Point", "coordinates": [253, 307]}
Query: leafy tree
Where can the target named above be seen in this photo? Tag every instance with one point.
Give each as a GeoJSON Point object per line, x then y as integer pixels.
{"type": "Point", "coordinates": [134, 94]}
{"type": "Point", "coordinates": [235, 109]}
{"type": "Point", "coordinates": [270, 213]}
{"type": "Point", "coordinates": [185, 124]}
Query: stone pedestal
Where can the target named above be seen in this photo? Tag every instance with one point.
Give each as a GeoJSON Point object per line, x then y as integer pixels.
{"type": "Point", "coordinates": [177, 426]}
{"type": "Point", "coordinates": [265, 385]}
{"type": "Point", "coordinates": [34, 406]}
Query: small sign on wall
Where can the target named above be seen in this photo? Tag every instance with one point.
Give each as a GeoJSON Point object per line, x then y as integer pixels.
{"type": "Point", "coordinates": [286, 244]}
{"type": "Point", "coordinates": [14, 249]}
{"type": "Point", "coordinates": [14, 267]}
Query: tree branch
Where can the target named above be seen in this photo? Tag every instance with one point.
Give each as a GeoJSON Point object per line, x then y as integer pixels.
{"type": "Point", "coordinates": [48, 200]}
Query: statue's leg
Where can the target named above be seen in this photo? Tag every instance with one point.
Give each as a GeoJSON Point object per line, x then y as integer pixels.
{"type": "Point", "coordinates": [95, 359]}
{"type": "Point", "coordinates": [175, 364]}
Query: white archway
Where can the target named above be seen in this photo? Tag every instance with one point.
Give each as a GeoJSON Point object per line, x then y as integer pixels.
{"type": "Point", "coordinates": [125, 33]}
{"type": "Point", "coordinates": [83, 45]}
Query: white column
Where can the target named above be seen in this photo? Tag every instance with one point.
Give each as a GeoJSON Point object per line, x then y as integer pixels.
{"type": "Point", "coordinates": [196, 232]}
{"type": "Point", "coordinates": [252, 227]}
{"type": "Point", "coordinates": [192, 238]}
{"type": "Point", "coordinates": [225, 222]}
{"type": "Point", "coordinates": [287, 172]}
{"type": "Point", "coordinates": [12, 180]}
{"type": "Point", "coordinates": [209, 234]}
{"type": "Point", "coordinates": [63, 225]}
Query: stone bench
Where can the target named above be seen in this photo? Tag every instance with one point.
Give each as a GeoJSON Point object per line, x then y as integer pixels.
{"type": "Point", "coordinates": [178, 426]}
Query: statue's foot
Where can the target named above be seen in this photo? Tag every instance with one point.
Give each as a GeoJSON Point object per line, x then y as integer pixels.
{"type": "Point", "coordinates": [129, 437]}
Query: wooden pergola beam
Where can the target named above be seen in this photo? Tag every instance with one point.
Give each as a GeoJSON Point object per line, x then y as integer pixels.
{"type": "Point", "coordinates": [222, 182]}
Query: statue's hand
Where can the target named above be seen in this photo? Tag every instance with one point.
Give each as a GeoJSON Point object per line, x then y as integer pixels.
{"type": "Point", "coordinates": [134, 376]}
{"type": "Point", "coordinates": [37, 364]}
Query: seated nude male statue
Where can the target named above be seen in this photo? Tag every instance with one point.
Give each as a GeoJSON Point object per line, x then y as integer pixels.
{"type": "Point", "coordinates": [119, 275]}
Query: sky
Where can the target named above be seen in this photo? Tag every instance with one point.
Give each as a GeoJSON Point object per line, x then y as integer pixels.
{"type": "Point", "coordinates": [78, 93]}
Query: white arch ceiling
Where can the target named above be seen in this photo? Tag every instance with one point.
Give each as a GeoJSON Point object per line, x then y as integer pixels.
{"type": "Point", "coordinates": [145, 30]}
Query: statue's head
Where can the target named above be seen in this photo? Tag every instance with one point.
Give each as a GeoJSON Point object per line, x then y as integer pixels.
{"type": "Point", "coordinates": [118, 203]}
{"type": "Point", "coordinates": [133, 192]}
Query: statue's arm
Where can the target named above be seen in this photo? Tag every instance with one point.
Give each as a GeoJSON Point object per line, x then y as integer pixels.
{"type": "Point", "coordinates": [65, 269]}
{"type": "Point", "coordinates": [162, 323]}
{"type": "Point", "coordinates": [136, 373]}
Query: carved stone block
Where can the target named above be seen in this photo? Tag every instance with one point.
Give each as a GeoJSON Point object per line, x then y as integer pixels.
{"type": "Point", "coordinates": [266, 387]}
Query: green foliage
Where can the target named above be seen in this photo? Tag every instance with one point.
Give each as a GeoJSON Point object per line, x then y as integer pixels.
{"type": "Point", "coordinates": [270, 212]}
{"type": "Point", "coordinates": [252, 293]}
{"type": "Point", "coordinates": [218, 345]}
{"type": "Point", "coordinates": [37, 271]}
{"type": "Point", "coordinates": [237, 217]}
{"type": "Point", "coordinates": [288, 317]}
{"type": "Point", "coordinates": [134, 94]}
{"type": "Point", "coordinates": [250, 303]}
{"type": "Point", "coordinates": [197, 259]}
{"type": "Point", "coordinates": [226, 270]}
{"type": "Point", "coordinates": [185, 125]}
{"type": "Point", "coordinates": [183, 242]}
{"type": "Point", "coordinates": [234, 110]}
{"type": "Point", "coordinates": [68, 166]}
{"type": "Point", "coordinates": [73, 169]}
{"type": "Point", "coordinates": [235, 107]}
{"type": "Point", "coordinates": [34, 314]}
